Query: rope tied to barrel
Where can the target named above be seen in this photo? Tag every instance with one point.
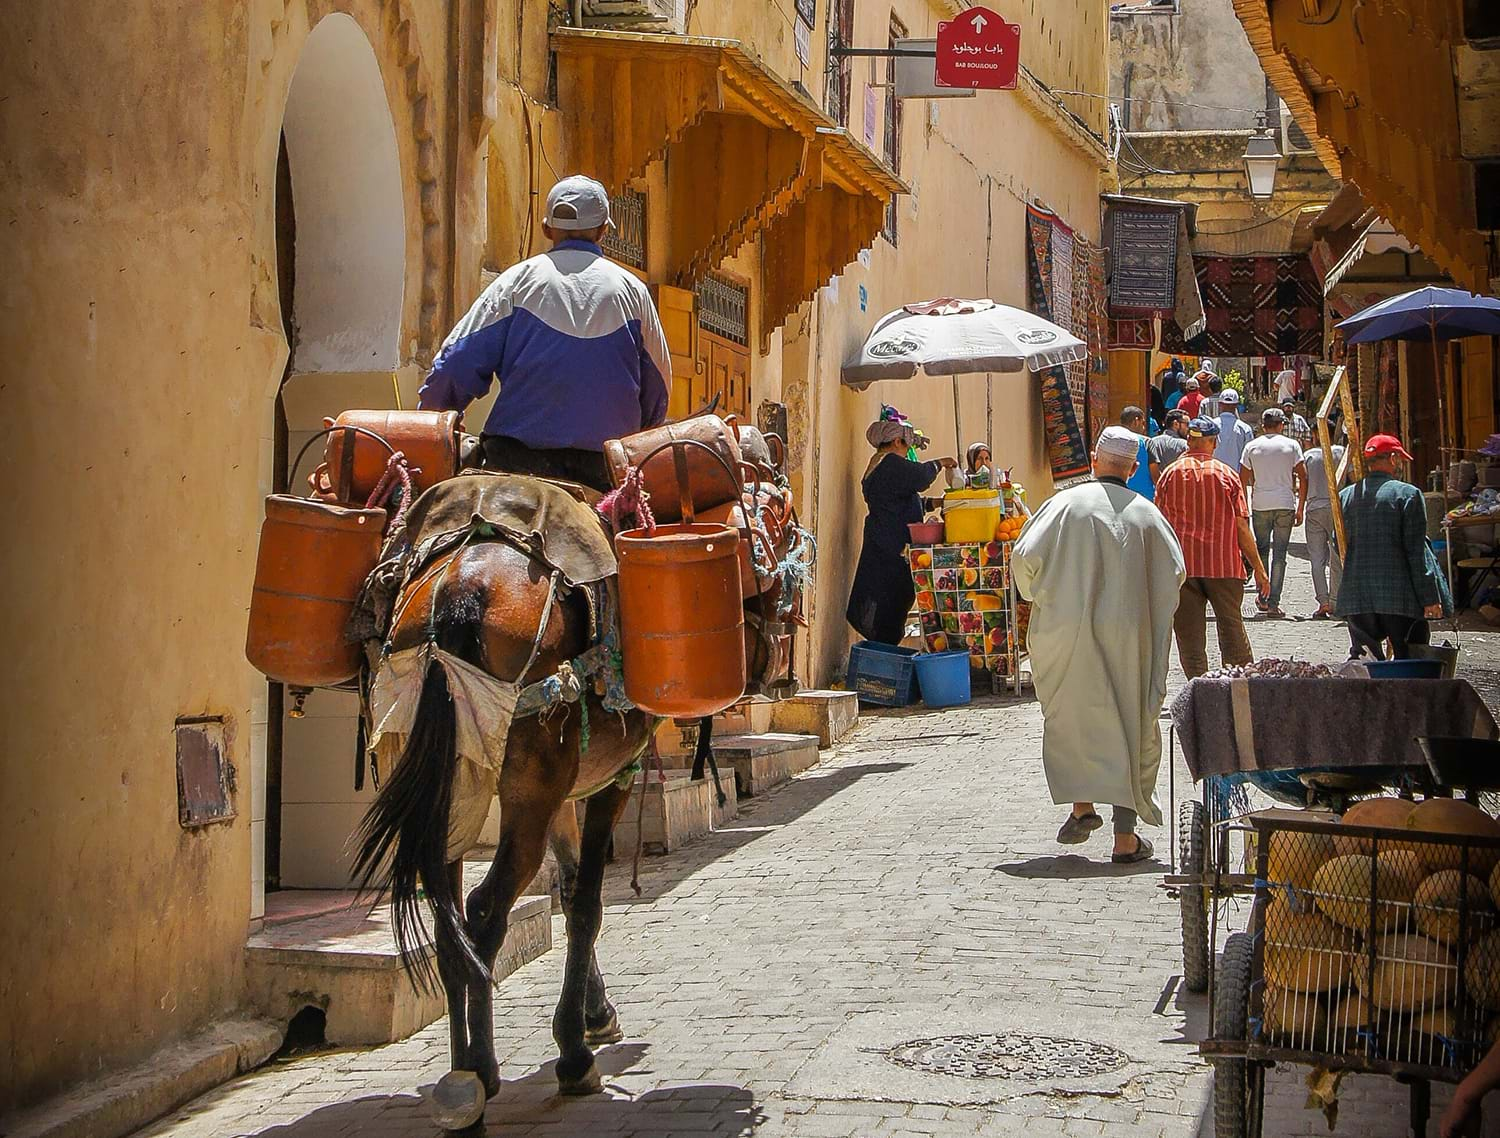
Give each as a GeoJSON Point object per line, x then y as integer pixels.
{"type": "Point", "coordinates": [396, 470]}
{"type": "Point", "coordinates": [630, 500]}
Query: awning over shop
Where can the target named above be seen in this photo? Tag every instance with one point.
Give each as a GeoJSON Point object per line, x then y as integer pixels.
{"type": "Point", "coordinates": [747, 154]}
{"type": "Point", "coordinates": [1384, 101]}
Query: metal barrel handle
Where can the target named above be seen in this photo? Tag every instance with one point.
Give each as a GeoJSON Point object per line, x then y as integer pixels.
{"type": "Point", "coordinates": [346, 471]}
{"type": "Point", "coordinates": [685, 496]}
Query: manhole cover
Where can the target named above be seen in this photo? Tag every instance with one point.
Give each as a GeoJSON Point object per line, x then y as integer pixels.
{"type": "Point", "coordinates": [1032, 1058]}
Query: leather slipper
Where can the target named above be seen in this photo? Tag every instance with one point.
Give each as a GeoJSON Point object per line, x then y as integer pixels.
{"type": "Point", "coordinates": [1076, 830]}
{"type": "Point", "coordinates": [1143, 851]}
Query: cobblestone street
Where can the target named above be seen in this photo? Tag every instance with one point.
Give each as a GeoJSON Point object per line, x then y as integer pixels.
{"type": "Point", "coordinates": [907, 888]}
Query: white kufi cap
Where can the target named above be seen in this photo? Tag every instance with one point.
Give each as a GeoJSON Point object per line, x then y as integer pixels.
{"type": "Point", "coordinates": [1119, 442]}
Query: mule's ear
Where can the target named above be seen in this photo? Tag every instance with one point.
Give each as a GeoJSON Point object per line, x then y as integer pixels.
{"type": "Point", "coordinates": [327, 422]}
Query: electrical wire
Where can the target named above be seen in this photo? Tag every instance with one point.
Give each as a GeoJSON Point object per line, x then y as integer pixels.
{"type": "Point", "coordinates": [1162, 102]}
{"type": "Point", "coordinates": [1248, 228]}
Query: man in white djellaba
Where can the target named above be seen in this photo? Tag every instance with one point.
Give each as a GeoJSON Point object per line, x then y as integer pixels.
{"type": "Point", "coordinates": [1103, 570]}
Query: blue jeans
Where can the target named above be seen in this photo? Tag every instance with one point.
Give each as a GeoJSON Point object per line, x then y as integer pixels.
{"type": "Point", "coordinates": [1273, 530]}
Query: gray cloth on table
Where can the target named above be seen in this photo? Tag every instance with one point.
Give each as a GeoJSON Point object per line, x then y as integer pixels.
{"type": "Point", "coordinates": [1227, 726]}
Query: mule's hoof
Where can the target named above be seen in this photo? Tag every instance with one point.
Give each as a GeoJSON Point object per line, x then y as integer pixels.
{"type": "Point", "coordinates": [458, 1100]}
{"type": "Point", "coordinates": [605, 1033]}
{"type": "Point", "coordinates": [588, 1083]}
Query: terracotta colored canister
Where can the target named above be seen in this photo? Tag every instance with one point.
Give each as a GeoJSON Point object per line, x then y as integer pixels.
{"type": "Point", "coordinates": [428, 439]}
{"type": "Point", "coordinates": [682, 630]}
{"type": "Point", "coordinates": [313, 558]}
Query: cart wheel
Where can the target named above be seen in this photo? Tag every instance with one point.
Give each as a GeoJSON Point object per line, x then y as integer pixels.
{"type": "Point", "coordinates": [1192, 848]}
{"type": "Point", "coordinates": [1238, 1089]}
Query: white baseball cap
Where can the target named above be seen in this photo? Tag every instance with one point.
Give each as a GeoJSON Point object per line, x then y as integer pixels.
{"type": "Point", "coordinates": [577, 202]}
{"type": "Point", "coordinates": [1229, 397]}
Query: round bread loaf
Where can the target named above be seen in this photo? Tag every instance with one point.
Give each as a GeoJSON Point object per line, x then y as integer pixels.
{"type": "Point", "coordinates": [1412, 973]}
{"type": "Point", "coordinates": [1306, 952]}
{"type": "Point", "coordinates": [1342, 887]}
{"type": "Point", "coordinates": [1390, 813]}
{"type": "Point", "coordinates": [1449, 899]}
{"type": "Point", "coordinates": [1450, 816]}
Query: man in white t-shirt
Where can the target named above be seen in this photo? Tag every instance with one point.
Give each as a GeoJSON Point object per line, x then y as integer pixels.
{"type": "Point", "coordinates": [1275, 476]}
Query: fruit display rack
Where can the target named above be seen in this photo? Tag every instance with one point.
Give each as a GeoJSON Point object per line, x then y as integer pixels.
{"type": "Point", "coordinates": [966, 600]}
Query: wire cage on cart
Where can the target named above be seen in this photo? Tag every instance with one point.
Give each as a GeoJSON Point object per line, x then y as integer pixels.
{"type": "Point", "coordinates": [1369, 949]}
{"type": "Point", "coordinates": [1207, 871]}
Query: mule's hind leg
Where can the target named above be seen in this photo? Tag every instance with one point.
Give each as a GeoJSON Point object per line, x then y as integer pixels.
{"type": "Point", "coordinates": [576, 1073]}
{"type": "Point", "coordinates": [601, 1026]}
{"type": "Point", "coordinates": [459, 1097]}
{"type": "Point", "coordinates": [523, 840]}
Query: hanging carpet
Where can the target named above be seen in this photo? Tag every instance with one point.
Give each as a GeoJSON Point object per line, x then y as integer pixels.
{"type": "Point", "coordinates": [1253, 306]}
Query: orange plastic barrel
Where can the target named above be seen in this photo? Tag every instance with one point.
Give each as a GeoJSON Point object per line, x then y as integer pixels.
{"type": "Point", "coordinates": [682, 630]}
{"type": "Point", "coordinates": [313, 558]}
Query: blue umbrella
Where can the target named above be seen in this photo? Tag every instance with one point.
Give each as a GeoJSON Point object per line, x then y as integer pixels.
{"type": "Point", "coordinates": [1425, 314]}
{"type": "Point", "coordinates": [1430, 315]}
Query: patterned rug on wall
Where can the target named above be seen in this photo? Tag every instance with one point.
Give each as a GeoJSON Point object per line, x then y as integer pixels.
{"type": "Point", "coordinates": [1062, 410]}
{"type": "Point", "coordinates": [1254, 306]}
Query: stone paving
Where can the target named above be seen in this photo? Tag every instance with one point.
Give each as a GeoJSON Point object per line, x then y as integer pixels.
{"type": "Point", "coordinates": [906, 889]}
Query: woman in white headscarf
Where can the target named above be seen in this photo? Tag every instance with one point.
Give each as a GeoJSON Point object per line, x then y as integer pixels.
{"type": "Point", "coordinates": [883, 592]}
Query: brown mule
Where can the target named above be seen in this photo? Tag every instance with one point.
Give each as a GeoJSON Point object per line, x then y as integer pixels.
{"type": "Point", "coordinates": [485, 603]}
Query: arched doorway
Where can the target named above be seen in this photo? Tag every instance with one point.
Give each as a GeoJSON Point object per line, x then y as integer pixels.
{"type": "Point", "coordinates": [341, 268]}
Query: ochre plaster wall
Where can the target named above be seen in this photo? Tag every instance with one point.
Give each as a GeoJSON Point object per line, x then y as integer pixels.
{"type": "Point", "coordinates": [972, 165]}
{"type": "Point", "coordinates": [144, 345]}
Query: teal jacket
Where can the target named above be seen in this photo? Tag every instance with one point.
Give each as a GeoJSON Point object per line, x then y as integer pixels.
{"type": "Point", "coordinates": [1389, 567]}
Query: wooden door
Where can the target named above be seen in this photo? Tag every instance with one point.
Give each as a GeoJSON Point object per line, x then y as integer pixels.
{"type": "Point", "coordinates": [727, 368]}
{"type": "Point", "coordinates": [679, 322]}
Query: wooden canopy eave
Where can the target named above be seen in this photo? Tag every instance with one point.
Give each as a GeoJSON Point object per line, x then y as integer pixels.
{"type": "Point", "coordinates": [748, 154]}
{"type": "Point", "coordinates": [1348, 84]}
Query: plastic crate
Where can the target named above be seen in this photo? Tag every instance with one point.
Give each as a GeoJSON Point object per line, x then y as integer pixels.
{"type": "Point", "coordinates": [884, 674]}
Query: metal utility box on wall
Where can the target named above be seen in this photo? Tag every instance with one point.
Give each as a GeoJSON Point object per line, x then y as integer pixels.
{"type": "Point", "coordinates": [205, 776]}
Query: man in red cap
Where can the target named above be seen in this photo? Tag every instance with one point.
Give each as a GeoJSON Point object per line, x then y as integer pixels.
{"type": "Point", "coordinates": [1392, 585]}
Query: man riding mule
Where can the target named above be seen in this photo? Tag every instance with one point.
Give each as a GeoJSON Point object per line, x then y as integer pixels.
{"type": "Point", "coordinates": [576, 343]}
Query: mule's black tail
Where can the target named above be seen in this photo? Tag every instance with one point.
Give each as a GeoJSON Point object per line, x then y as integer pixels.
{"type": "Point", "coordinates": [403, 840]}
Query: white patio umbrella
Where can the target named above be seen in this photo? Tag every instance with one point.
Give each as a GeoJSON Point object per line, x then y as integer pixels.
{"type": "Point", "coordinates": [959, 337]}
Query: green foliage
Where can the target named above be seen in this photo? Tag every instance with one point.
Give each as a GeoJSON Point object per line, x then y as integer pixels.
{"type": "Point", "coordinates": [1235, 380]}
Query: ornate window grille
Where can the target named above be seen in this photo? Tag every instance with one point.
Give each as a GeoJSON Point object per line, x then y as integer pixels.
{"type": "Point", "coordinates": [724, 308]}
{"type": "Point", "coordinates": [627, 242]}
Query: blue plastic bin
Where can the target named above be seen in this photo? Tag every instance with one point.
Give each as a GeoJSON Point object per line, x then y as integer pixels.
{"type": "Point", "coordinates": [1405, 669]}
{"type": "Point", "coordinates": [944, 678]}
{"type": "Point", "coordinates": [883, 674]}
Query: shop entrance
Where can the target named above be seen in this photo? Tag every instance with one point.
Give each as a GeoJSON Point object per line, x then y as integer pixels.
{"type": "Point", "coordinates": [341, 265]}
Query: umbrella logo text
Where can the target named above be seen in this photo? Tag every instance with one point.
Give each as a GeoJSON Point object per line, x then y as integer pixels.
{"type": "Point", "coordinates": [889, 349]}
{"type": "Point", "coordinates": [1036, 336]}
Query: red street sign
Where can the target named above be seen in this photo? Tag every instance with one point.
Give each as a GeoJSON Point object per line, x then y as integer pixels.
{"type": "Point", "coordinates": [979, 49]}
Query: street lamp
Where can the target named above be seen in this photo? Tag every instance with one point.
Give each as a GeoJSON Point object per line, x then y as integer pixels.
{"type": "Point", "coordinates": [1262, 156]}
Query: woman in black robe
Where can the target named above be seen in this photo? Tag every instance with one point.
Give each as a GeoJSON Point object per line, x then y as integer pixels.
{"type": "Point", "coordinates": [883, 592]}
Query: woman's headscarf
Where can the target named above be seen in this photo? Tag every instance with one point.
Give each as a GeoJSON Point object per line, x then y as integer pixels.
{"type": "Point", "coordinates": [974, 449]}
{"type": "Point", "coordinates": [892, 426]}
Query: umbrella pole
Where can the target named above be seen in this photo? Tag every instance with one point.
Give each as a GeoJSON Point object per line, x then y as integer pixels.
{"type": "Point", "coordinates": [958, 441]}
{"type": "Point", "coordinates": [1437, 374]}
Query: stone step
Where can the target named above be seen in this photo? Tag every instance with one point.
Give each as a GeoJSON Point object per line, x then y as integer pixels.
{"type": "Point", "coordinates": [346, 963]}
{"type": "Point", "coordinates": [764, 761]}
{"type": "Point", "coordinates": [830, 715]}
{"type": "Point", "coordinates": [676, 811]}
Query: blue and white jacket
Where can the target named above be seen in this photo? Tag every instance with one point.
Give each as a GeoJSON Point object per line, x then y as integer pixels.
{"type": "Point", "coordinates": [576, 344]}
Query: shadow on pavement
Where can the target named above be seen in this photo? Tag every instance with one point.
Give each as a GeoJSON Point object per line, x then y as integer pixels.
{"type": "Point", "coordinates": [533, 1101]}
{"type": "Point", "coordinates": [1075, 866]}
{"type": "Point", "coordinates": [758, 816]}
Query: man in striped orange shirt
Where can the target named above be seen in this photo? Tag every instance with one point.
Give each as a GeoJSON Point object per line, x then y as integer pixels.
{"type": "Point", "coordinates": [1204, 502]}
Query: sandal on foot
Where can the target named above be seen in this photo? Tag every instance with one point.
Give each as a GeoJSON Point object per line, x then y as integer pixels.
{"type": "Point", "coordinates": [1076, 830]}
{"type": "Point", "coordinates": [1142, 852]}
